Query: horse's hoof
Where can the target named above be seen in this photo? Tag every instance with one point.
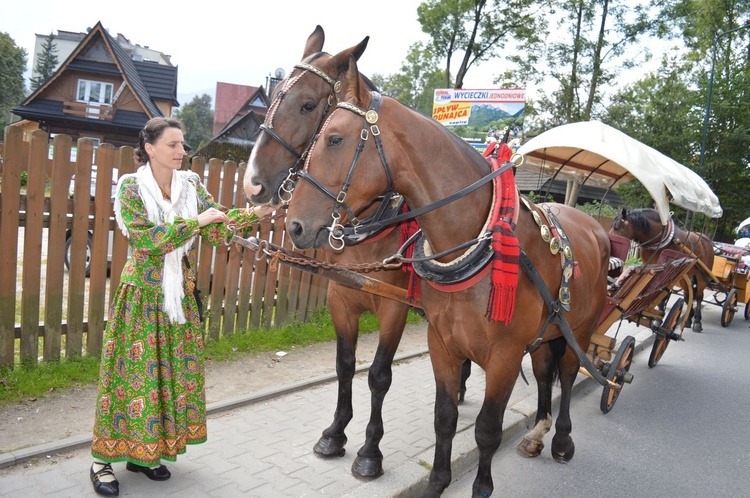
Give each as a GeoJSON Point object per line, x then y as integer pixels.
{"type": "Point", "coordinates": [697, 327]}
{"type": "Point", "coordinates": [565, 457]}
{"type": "Point", "coordinates": [530, 448]}
{"type": "Point", "coordinates": [330, 447]}
{"type": "Point", "coordinates": [367, 468]}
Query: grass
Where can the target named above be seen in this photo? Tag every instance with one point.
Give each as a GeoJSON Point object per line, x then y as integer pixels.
{"type": "Point", "coordinates": [34, 381]}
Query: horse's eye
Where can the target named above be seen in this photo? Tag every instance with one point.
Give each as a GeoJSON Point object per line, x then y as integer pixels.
{"type": "Point", "coordinates": [308, 107]}
{"type": "Point", "coordinates": [334, 141]}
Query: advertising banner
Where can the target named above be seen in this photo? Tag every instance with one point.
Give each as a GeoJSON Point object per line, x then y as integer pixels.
{"type": "Point", "coordinates": [454, 107]}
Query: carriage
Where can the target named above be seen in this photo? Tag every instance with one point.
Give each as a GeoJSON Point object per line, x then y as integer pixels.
{"type": "Point", "coordinates": [593, 153]}
{"type": "Point", "coordinates": [729, 280]}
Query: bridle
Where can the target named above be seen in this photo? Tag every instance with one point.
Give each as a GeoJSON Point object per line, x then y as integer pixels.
{"type": "Point", "coordinates": [287, 186]}
{"type": "Point", "coordinates": [338, 232]}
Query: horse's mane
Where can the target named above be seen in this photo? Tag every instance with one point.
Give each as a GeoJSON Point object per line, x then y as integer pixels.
{"type": "Point", "coordinates": [643, 217]}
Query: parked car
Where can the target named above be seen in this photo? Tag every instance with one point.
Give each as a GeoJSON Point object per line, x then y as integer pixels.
{"type": "Point", "coordinates": [89, 243]}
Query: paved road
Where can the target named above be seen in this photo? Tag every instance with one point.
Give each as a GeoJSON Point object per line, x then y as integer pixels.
{"type": "Point", "coordinates": [263, 447]}
{"type": "Point", "coordinates": [680, 430]}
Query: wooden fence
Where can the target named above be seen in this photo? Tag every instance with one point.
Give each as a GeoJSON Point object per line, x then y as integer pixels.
{"type": "Point", "coordinates": [48, 311]}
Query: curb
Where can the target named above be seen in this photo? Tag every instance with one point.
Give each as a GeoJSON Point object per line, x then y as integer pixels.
{"type": "Point", "coordinates": [80, 441]}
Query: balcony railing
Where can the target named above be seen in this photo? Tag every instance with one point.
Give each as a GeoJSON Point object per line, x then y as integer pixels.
{"type": "Point", "coordinates": [88, 110]}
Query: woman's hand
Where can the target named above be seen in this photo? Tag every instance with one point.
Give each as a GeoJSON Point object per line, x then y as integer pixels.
{"type": "Point", "coordinates": [212, 215]}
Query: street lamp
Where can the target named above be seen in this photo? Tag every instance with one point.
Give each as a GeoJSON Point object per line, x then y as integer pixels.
{"type": "Point", "coordinates": [710, 92]}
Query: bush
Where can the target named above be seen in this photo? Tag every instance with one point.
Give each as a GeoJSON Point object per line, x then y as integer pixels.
{"type": "Point", "coordinates": [595, 208]}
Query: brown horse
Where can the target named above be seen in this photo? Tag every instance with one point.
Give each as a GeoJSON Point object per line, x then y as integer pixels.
{"type": "Point", "coordinates": [302, 102]}
{"type": "Point", "coordinates": [645, 227]}
{"type": "Point", "coordinates": [372, 144]}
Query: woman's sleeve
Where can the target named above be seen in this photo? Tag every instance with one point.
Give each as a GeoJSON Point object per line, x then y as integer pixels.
{"type": "Point", "coordinates": [143, 233]}
{"type": "Point", "coordinates": [215, 233]}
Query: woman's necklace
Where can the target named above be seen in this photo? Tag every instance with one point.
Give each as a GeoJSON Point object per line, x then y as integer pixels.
{"type": "Point", "coordinates": [164, 194]}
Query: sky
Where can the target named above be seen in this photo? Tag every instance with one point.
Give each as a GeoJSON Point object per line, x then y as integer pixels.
{"type": "Point", "coordinates": [230, 41]}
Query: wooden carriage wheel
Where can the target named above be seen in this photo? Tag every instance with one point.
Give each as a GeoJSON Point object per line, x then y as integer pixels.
{"type": "Point", "coordinates": [665, 333]}
{"type": "Point", "coordinates": [618, 372]}
{"type": "Point", "coordinates": [729, 308]}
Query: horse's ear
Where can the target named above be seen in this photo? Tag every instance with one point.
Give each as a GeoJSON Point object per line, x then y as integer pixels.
{"type": "Point", "coordinates": [624, 214]}
{"type": "Point", "coordinates": [359, 49]}
{"type": "Point", "coordinates": [350, 83]}
{"type": "Point", "coordinates": [314, 42]}
{"type": "Point", "coordinates": [340, 61]}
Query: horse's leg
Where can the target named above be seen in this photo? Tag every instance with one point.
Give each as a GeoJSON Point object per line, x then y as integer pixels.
{"type": "Point", "coordinates": [447, 371]}
{"type": "Point", "coordinates": [544, 364]}
{"type": "Point", "coordinates": [500, 380]}
{"type": "Point", "coordinates": [699, 287]}
{"type": "Point", "coordinates": [562, 444]}
{"type": "Point", "coordinates": [346, 324]}
{"type": "Point", "coordinates": [465, 374]}
{"type": "Point", "coordinates": [392, 318]}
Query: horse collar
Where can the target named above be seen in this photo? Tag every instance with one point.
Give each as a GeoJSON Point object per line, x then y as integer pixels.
{"type": "Point", "coordinates": [667, 233]}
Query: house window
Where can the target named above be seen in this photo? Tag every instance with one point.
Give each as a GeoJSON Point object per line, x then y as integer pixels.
{"type": "Point", "coordinates": [94, 92]}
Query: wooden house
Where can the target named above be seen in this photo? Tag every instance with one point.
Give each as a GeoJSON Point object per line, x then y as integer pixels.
{"type": "Point", "coordinates": [101, 92]}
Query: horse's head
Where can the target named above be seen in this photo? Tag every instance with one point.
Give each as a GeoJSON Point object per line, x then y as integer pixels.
{"type": "Point", "coordinates": [342, 175]}
{"type": "Point", "coordinates": [622, 225]}
{"type": "Point", "coordinates": [641, 225]}
{"type": "Point", "coordinates": [298, 109]}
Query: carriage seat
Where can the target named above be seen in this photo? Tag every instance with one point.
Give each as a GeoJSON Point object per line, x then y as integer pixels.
{"type": "Point", "coordinates": [619, 248]}
{"type": "Point", "coordinates": [730, 251]}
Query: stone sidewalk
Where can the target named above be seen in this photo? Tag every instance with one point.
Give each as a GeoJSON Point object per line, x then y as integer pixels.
{"type": "Point", "coordinates": [261, 446]}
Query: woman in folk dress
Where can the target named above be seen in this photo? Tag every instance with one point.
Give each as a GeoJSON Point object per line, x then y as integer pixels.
{"type": "Point", "coordinates": [152, 401]}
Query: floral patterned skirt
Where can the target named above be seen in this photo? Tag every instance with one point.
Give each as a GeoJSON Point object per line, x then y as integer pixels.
{"type": "Point", "coordinates": [152, 400]}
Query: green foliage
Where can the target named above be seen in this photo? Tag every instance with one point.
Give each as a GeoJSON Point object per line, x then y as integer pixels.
{"type": "Point", "coordinates": [32, 381]}
{"type": "Point", "coordinates": [198, 118]}
{"type": "Point", "coordinates": [596, 208]}
{"type": "Point", "coordinates": [12, 86]}
{"type": "Point", "coordinates": [419, 76]}
{"type": "Point", "coordinates": [474, 31]}
{"type": "Point", "coordinates": [586, 61]}
{"type": "Point", "coordinates": [318, 328]}
{"type": "Point", "coordinates": [46, 63]}
{"type": "Point", "coordinates": [666, 109]}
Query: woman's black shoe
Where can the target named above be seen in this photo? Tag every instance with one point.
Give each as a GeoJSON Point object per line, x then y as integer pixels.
{"type": "Point", "coordinates": [111, 488]}
{"type": "Point", "coordinates": [160, 473]}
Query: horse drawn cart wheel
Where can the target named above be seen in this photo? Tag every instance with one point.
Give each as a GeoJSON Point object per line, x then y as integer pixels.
{"type": "Point", "coordinates": [618, 372]}
{"type": "Point", "coordinates": [729, 308]}
{"type": "Point", "coordinates": [665, 333]}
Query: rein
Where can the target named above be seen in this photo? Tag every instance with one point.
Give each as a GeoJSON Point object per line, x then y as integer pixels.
{"type": "Point", "coordinates": [287, 186]}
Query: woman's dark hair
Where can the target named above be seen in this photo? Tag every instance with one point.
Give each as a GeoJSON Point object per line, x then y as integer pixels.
{"type": "Point", "coordinates": [151, 132]}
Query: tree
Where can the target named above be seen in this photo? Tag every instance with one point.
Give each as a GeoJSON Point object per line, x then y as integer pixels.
{"type": "Point", "coordinates": [12, 87]}
{"type": "Point", "coordinates": [588, 58]}
{"type": "Point", "coordinates": [478, 30]}
{"type": "Point", "coordinates": [46, 63]}
{"type": "Point", "coordinates": [198, 118]}
{"type": "Point", "coordinates": [414, 85]}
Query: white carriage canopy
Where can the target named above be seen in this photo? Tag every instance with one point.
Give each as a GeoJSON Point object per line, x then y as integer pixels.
{"type": "Point", "coordinates": [596, 154]}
